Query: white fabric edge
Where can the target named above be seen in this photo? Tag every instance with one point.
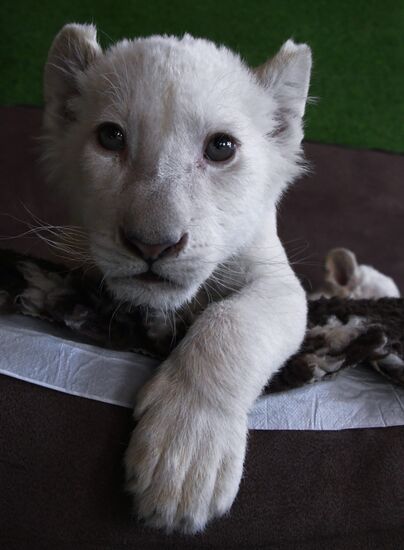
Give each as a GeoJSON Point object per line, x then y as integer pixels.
{"type": "Point", "coordinates": [36, 353]}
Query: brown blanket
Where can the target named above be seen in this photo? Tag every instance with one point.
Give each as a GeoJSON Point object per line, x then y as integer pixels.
{"type": "Point", "coordinates": [341, 332]}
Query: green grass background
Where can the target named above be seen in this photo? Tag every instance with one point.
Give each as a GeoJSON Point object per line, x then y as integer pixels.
{"type": "Point", "coordinates": [358, 48]}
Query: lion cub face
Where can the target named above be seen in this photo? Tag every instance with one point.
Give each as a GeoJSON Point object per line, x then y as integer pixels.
{"type": "Point", "coordinates": [170, 153]}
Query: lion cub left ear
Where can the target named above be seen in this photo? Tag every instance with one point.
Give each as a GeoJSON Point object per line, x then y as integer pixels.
{"type": "Point", "coordinates": [287, 77]}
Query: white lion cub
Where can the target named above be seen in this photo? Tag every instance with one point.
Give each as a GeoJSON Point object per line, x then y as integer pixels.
{"type": "Point", "coordinates": [172, 154]}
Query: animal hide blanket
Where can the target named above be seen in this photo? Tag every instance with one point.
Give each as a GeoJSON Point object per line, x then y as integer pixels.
{"type": "Point", "coordinates": [341, 332]}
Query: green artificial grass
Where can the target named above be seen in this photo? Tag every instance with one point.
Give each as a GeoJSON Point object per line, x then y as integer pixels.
{"type": "Point", "coordinates": [358, 48]}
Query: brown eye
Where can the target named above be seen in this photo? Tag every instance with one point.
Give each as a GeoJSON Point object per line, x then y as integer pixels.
{"type": "Point", "coordinates": [111, 136]}
{"type": "Point", "coordinates": [220, 147]}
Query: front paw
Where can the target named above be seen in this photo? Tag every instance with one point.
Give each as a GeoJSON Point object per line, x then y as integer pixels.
{"type": "Point", "coordinates": [185, 457]}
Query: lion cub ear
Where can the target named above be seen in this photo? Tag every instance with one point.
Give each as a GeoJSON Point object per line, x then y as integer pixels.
{"type": "Point", "coordinates": [342, 268]}
{"type": "Point", "coordinates": [287, 77]}
{"type": "Point", "coordinates": [73, 50]}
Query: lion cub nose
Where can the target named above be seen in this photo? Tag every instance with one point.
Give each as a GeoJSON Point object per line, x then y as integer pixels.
{"type": "Point", "coordinates": [151, 252]}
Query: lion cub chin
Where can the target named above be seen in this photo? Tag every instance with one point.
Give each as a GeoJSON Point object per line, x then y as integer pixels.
{"type": "Point", "coordinates": [171, 155]}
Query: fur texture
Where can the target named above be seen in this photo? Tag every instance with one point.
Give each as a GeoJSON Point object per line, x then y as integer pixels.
{"type": "Point", "coordinates": [169, 96]}
{"type": "Point", "coordinates": [345, 278]}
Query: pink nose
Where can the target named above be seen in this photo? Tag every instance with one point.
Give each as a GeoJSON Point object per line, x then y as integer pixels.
{"type": "Point", "coordinates": [151, 252]}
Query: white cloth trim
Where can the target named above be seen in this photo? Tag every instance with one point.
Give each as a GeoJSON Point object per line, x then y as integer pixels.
{"type": "Point", "coordinates": [41, 354]}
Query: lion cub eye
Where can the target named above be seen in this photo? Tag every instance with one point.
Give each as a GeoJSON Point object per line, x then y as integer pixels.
{"type": "Point", "coordinates": [111, 136]}
{"type": "Point", "coordinates": [220, 147]}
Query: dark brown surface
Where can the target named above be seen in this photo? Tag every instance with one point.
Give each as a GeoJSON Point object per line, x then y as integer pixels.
{"type": "Point", "coordinates": [60, 456]}
{"type": "Point", "coordinates": [353, 199]}
{"type": "Point", "coordinates": [21, 181]}
{"type": "Point", "coordinates": [61, 483]}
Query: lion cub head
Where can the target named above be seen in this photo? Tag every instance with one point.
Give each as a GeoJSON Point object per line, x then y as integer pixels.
{"type": "Point", "coordinates": [170, 153]}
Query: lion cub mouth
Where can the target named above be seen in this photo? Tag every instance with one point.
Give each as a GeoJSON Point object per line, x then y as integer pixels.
{"type": "Point", "coordinates": [150, 277]}
{"type": "Point", "coordinates": [146, 277]}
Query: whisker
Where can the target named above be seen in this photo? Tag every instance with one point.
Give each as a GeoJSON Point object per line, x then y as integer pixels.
{"type": "Point", "coordinates": [114, 313]}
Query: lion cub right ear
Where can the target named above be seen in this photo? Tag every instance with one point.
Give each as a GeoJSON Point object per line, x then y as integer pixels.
{"type": "Point", "coordinates": [73, 50]}
{"type": "Point", "coordinates": [286, 76]}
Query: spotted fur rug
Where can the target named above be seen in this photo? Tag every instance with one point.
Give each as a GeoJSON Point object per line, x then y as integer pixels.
{"type": "Point", "coordinates": [341, 332]}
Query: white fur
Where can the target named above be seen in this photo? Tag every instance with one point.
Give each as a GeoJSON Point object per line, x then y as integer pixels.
{"type": "Point", "coordinates": [373, 284]}
{"type": "Point", "coordinates": [185, 459]}
{"type": "Point", "coordinates": [345, 278]}
{"type": "Point", "coordinates": [336, 334]}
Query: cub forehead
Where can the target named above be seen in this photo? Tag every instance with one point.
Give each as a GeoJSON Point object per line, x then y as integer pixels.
{"type": "Point", "coordinates": [192, 64]}
{"type": "Point", "coordinates": [165, 80]}
{"type": "Point", "coordinates": [178, 55]}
